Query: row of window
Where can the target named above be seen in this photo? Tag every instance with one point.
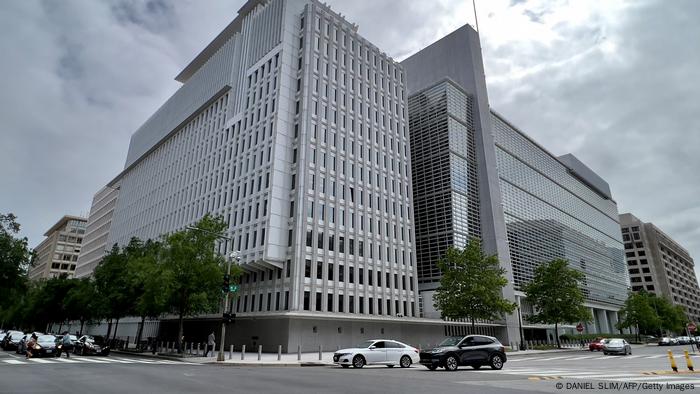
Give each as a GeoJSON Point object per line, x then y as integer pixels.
{"type": "Point", "coordinates": [406, 282]}
{"type": "Point", "coordinates": [361, 305]}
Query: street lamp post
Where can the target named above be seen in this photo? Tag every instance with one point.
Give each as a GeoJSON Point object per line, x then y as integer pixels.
{"type": "Point", "coordinates": [233, 255]}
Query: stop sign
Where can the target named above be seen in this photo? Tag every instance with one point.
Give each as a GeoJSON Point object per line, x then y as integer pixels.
{"type": "Point", "coordinates": [579, 327]}
{"type": "Point", "coordinates": [692, 327]}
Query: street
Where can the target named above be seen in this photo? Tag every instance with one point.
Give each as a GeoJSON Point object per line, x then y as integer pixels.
{"type": "Point", "coordinates": [579, 371]}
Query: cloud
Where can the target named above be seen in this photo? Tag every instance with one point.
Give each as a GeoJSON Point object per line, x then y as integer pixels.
{"type": "Point", "coordinates": [614, 82]}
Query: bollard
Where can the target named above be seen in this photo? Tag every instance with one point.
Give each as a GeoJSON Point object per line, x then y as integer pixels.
{"type": "Point", "coordinates": [673, 361]}
{"type": "Point", "coordinates": [298, 352]}
{"type": "Point", "coordinates": [320, 353]}
{"type": "Point", "coordinates": [230, 353]}
{"type": "Point", "coordinates": [259, 352]}
{"type": "Point", "coordinates": [191, 347]}
{"type": "Point", "coordinates": [688, 361]}
{"type": "Point", "coordinates": [243, 352]}
{"type": "Point", "coordinates": [198, 347]}
{"type": "Point", "coordinates": [279, 352]}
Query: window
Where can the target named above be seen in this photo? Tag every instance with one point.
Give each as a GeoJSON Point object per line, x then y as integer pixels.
{"type": "Point", "coordinates": [330, 271]}
{"type": "Point", "coordinates": [307, 269]}
{"type": "Point", "coordinates": [309, 238]}
{"type": "Point", "coordinates": [318, 301]}
{"type": "Point", "coordinates": [306, 300]}
{"type": "Point", "coordinates": [319, 270]}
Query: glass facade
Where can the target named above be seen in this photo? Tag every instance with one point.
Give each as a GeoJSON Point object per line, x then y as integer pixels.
{"type": "Point", "coordinates": [445, 184]}
{"type": "Point", "coordinates": [550, 214]}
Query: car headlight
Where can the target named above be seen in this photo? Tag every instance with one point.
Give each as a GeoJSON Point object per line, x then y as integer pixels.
{"type": "Point", "coordinates": [37, 346]}
{"type": "Point", "coordinates": [342, 354]}
{"type": "Point", "coordinates": [437, 350]}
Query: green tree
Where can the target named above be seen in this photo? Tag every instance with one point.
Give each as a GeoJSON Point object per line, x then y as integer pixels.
{"type": "Point", "coordinates": [556, 295]}
{"type": "Point", "coordinates": [471, 285]}
{"type": "Point", "coordinates": [114, 283]}
{"type": "Point", "coordinates": [82, 301]}
{"type": "Point", "coordinates": [671, 317]}
{"type": "Point", "coordinates": [193, 269]}
{"type": "Point", "coordinates": [15, 258]}
{"type": "Point", "coordinates": [151, 282]}
{"type": "Point", "coordinates": [638, 314]}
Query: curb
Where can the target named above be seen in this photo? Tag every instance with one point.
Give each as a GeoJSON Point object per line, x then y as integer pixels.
{"type": "Point", "coordinates": [260, 364]}
{"type": "Point", "coordinates": [156, 356]}
{"type": "Point", "coordinates": [521, 354]}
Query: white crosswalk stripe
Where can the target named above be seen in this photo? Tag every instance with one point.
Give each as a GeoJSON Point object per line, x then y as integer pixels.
{"type": "Point", "coordinates": [90, 360]}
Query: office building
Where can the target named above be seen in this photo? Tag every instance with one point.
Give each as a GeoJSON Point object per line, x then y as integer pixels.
{"type": "Point", "coordinates": [292, 127]}
{"type": "Point", "coordinates": [58, 254]}
{"type": "Point", "coordinates": [659, 265]}
{"type": "Point", "coordinates": [99, 223]}
{"type": "Point", "coordinates": [475, 175]}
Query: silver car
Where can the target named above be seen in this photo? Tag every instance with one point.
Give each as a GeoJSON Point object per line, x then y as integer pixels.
{"type": "Point", "coordinates": [617, 346]}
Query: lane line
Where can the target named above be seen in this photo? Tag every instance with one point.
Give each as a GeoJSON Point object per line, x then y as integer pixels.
{"type": "Point", "coordinates": [41, 361]}
{"type": "Point", "coordinates": [65, 360]}
{"type": "Point", "coordinates": [14, 362]}
{"type": "Point", "coordinates": [90, 360]}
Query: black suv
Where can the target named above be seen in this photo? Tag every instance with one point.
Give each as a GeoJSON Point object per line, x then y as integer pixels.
{"type": "Point", "coordinates": [472, 350]}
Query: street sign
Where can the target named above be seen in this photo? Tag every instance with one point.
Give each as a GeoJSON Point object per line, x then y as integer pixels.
{"type": "Point", "coordinates": [692, 327]}
{"type": "Point", "coordinates": [234, 288]}
{"type": "Point", "coordinates": [579, 327]}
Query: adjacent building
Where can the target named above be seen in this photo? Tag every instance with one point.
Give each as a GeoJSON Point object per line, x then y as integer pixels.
{"type": "Point", "coordinates": [659, 265]}
{"type": "Point", "coordinates": [58, 254]}
{"type": "Point", "coordinates": [475, 175]}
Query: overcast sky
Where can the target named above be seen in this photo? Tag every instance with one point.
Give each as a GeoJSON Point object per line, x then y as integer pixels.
{"type": "Point", "coordinates": [615, 83]}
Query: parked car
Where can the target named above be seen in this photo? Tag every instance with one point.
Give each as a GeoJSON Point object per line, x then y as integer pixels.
{"type": "Point", "coordinates": [11, 339]}
{"type": "Point", "coordinates": [89, 345]}
{"type": "Point", "coordinates": [617, 346]}
{"type": "Point", "coordinates": [59, 343]}
{"type": "Point", "coordinates": [472, 350]}
{"type": "Point", "coordinates": [665, 341]}
{"type": "Point", "coordinates": [45, 346]}
{"type": "Point", "coordinates": [597, 344]}
{"type": "Point", "coordinates": [684, 340]}
{"type": "Point", "coordinates": [377, 351]}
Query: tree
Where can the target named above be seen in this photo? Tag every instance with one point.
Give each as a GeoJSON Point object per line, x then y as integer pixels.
{"type": "Point", "coordinates": [82, 301]}
{"type": "Point", "coordinates": [114, 283]}
{"type": "Point", "coordinates": [556, 296]}
{"type": "Point", "coordinates": [193, 269]}
{"type": "Point", "coordinates": [638, 313]}
{"type": "Point", "coordinates": [671, 317]}
{"type": "Point", "coordinates": [15, 257]}
{"type": "Point", "coordinates": [151, 282]}
{"type": "Point", "coordinates": [471, 285]}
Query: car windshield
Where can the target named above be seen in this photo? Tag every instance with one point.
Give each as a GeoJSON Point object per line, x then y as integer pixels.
{"type": "Point", "coordinates": [615, 342]}
{"type": "Point", "coordinates": [89, 339]}
{"type": "Point", "coordinates": [451, 341]}
{"type": "Point", "coordinates": [365, 344]}
{"type": "Point", "coordinates": [47, 338]}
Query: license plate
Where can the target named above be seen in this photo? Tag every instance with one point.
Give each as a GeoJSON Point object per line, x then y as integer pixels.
{"type": "Point", "coordinates": [49, 351]}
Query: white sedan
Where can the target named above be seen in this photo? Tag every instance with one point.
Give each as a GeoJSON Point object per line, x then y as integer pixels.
{"type": "Point", "coordinates": [377, 352]}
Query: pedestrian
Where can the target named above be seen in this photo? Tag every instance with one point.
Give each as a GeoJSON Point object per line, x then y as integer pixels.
{"type": "Point", "coordinates": [211, 342]}
{"type": "Point", "coordinates": [66, 344]}
{"type": "Point", "coordinates": [30, 345]}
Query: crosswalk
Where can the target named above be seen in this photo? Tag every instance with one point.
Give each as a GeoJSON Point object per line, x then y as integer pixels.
{"type": "Point", "coordinates": [597, 357]}
{"type": "Point", "coordinates": [90, 360]}
{"type": "Point", "coordinates": [535, 374]}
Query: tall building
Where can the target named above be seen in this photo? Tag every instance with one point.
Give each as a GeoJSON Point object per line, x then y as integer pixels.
{"type": "Point", "coordinates": [58, 253]}
{"type": "Point", "coordinates": [660, 265]}
{"type": "Point", "coordinates": [97, 231]}
{"type": "Point", "coordinates": [475, 175]}
{"type": "Point", "coordinates": [293, 128]}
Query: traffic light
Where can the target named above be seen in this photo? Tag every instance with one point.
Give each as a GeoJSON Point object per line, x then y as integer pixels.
{"type": "Point", "coordinates": [226, 287]}
{"type": "Point", "coordinates": [228, 317]}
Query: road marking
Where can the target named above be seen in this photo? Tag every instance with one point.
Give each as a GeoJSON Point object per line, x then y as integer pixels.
{"type": "Point", "coordinates": [657, 356]}
{"type": "Point", "coordinates": [14, 361]}
{"type": "Point", "coordinates": [131, 360]}
{"type": "Point", "coordinates": [90, 360]}
{"type": "Point", "coordinates": [642, 378]}
{"type": "Point", "coordinates": [579, 358]}
{"type": "Point", "coordinates": [553, 358]}
{"type": "Point", "coordinates": [65, 360]}
{"type": "Point", "coordinates": [41, 361]}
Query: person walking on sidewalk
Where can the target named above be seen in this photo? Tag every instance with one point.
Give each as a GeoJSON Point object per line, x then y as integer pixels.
{"type": "Point", "coordinates": [211, 343]}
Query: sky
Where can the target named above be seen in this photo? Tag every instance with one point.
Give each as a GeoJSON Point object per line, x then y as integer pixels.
{"type": "Point", "coordinates": [616, 83]}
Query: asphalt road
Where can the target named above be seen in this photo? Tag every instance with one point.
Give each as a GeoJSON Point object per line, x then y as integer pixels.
{"type": "Point", "coordinates": [575, 372]}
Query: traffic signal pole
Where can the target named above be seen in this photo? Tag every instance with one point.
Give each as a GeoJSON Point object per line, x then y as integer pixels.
{"type": "Point", "coordinates": [220, 356]}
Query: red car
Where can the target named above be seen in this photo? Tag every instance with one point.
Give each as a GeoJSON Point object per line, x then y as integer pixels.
{"type": "Point", "coordinates": [597, 344]}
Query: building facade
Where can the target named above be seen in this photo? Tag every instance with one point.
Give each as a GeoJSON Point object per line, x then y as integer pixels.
{"type": "Point", "coordinates": [477, 176]}
{"type": "Point", "coordinates": [97, 231]}
{"type": "Point", "coordinates": [294, 129]}
{"type": "Point", "coordinates": [659, 265]}
{"type": "Point", "coordinates": [58, 254]}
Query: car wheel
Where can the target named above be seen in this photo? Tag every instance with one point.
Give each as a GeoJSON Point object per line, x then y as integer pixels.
{"type": "Point", "coordinates": [345, 366]}
{"type": "Point", "coordinates": [451, 363]}
{"type": "Point", "coordinates": [477, 366]}
{"type": "Point", "coordinates": [390, 365]}
{"type": "Point", "coordinates": [605, 353]}
{"type": "Point", "coordinates": [496, 361]}
{"type": "Point", "coordinates": [405, 362]}
{"type": "Point", "coordinates": [431, 367]}
{"type": "Point", "coordinates": [358, 361]}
